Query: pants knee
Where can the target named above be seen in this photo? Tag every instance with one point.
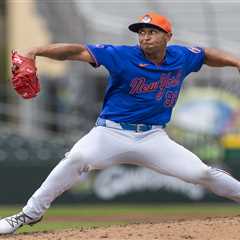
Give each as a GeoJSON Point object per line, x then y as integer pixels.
{"type": "Point", "coordinates": [213, 173]}
{"type": "Point", "coordinates": [78, 161]}
{"type": "Point", "coordinates": [198, 177]}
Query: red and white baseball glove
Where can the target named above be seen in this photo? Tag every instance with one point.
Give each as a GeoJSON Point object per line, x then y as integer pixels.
{"type": "Point", "coordinates": [24, 76]}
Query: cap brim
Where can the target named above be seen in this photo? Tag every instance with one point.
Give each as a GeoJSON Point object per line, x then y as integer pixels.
{"type": "Point", "coordinates": [135, 27]}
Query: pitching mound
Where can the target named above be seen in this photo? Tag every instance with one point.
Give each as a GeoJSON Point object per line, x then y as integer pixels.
{"type": "Point", "coordinates": [226, 228]}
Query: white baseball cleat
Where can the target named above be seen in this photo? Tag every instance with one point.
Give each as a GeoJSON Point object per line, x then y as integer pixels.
{"type": "Point", "coordinates": [10, 224]}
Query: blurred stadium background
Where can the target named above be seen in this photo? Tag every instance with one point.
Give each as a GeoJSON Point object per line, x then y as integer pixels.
{"type": "Point", "coordinates": [35, 134]}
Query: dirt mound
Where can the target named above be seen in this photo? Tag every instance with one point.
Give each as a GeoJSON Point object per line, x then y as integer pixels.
{"type": "Point", "coordinates": [224, 228]}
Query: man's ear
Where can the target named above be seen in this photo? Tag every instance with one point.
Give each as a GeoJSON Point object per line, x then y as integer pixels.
{"type": "Point", "coordinates": [169, 36]}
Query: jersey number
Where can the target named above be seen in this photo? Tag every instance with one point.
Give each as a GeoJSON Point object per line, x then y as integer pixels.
{"type": "Point", "coordinates": [170, 99]}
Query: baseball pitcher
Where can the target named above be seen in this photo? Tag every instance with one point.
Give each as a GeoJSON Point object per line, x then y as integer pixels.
{"type": "Point", "coordinates": [143, 86]}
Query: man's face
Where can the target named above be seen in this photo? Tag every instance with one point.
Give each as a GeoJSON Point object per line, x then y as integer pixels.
{"type": "Point", "coordinates": [152, 39]}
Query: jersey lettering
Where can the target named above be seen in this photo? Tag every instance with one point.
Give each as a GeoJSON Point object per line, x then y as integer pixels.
{"type": "Point", "coordinates": [140, 85]}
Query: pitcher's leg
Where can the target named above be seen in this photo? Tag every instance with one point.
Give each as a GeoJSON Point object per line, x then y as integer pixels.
{"type": "Point", "coordinates": [170, 158]}
{"type": "Point", "coordinates": [62, 178]}
{"type": "Point", "coordinates": [94, 151]}
{"type": "Point", "coordinates": [222, 184]}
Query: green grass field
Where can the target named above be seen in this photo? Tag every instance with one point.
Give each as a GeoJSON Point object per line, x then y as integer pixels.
{"type": "Point", "coordinates": [61, 217]}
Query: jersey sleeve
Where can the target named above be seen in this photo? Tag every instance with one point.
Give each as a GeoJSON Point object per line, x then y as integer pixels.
{"type": "Point", "coordinates": [193, 59]}
{"type": "Point", "coordinates": [107, 56]}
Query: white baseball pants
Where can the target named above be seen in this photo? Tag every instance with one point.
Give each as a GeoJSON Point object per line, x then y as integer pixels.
{"type": "Point", "coordinates": [103, 147]}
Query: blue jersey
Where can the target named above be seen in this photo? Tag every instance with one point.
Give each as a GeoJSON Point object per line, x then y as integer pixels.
{"type": "Point", "coordinates": [138, 90]}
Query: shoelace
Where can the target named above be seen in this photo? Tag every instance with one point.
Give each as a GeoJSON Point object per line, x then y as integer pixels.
{"type": "Point", "coordinates": [17, 219]}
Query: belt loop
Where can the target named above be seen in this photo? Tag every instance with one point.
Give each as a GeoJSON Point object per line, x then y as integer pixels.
{"type": "Point", "coordinates": [101, 122]}
{"type": "Point", "coordinates": [138, 127]}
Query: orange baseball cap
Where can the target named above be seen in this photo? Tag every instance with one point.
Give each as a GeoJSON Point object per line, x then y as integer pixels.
{"type": "Point", "coordinates": [152, 20]}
